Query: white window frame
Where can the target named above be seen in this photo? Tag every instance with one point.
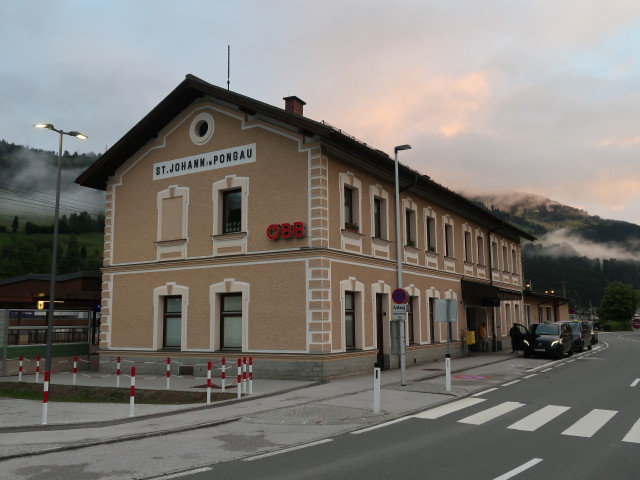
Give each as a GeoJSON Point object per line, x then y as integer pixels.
{"type": "Point", "coordinates": [236, 242]}
{"type": "Point", "coordinates": [174, 247]}
{"type": "Point", "coordinates": [467, 243]}
{"type": "Point", "coordinates": [430, 229]}
{"type": "Point", "coordinates": [347, 179]}
{"type": "Point", "coordinates": [376, 191]}
{"type": "Point", "coordinates": [409, 207]}
{"type": "Point", "coordinates": [228, 285]}
{"type": "Point", "coordinates": [448, 238]}
{"type": "Point", "coordinates": [352, 285]}
{"type": "Point", "coordinates": [169, 289]}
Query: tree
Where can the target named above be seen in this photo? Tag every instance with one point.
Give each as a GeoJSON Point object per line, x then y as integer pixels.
{"type": "Point", "coordinates": [15, 224]}
{"type": "Point", "coordinates": [619, 302]}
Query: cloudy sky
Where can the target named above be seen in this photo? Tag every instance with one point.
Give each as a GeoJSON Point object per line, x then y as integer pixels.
{"type": "Point", "coordinates": [539, 96]}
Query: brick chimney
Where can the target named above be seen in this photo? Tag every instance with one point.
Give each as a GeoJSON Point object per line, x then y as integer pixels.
{"type": "Point", "coordinates": [294, 105]}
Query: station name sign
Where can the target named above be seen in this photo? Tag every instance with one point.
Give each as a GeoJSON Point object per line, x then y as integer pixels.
{"type": "Point", "coordinates": [205, 162]}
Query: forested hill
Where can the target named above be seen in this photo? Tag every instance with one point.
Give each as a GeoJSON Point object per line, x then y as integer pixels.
{"type": "Point", "coordinates": [12, 157]}
{"type": "Point", "coordinates": [27, 199]}
{"type": "Point", "coordinates": [576, 254]}
{"type": "Point", "coordinates": [539, 216]}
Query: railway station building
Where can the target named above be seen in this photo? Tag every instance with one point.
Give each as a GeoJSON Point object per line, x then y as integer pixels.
{"type": "Point", "coordinates": [237, 228]}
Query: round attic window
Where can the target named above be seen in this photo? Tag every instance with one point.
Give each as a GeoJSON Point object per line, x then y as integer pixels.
{"type": "Point", "coordinates": [201, 129]}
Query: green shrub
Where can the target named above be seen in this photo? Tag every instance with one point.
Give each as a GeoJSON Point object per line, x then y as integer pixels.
{"type": "Point", "coordinates": [615, 326]}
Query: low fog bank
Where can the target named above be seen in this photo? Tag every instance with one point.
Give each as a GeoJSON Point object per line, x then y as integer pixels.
{"type": "Point", "coordinates": [564, 243]}
{"type": "Point", "coordinates": [28, 185]}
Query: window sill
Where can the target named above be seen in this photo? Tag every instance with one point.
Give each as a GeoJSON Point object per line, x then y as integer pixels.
{"type": "Point", "coordinates": [380, 241]}
{"type": "Point", "coordinates": [230, 236]}
{"type": "Point", "coordinates": [352, 234]}
{"type": "Point", "coordinates": [409, 248]}
{"type": "Point", "coordinates": [171, 243]}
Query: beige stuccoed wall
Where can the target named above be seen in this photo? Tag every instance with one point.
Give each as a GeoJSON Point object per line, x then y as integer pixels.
{"type": "Point", "coordinates": [277, 309]}
{"type": "Point", "coordinates": [279, 174]}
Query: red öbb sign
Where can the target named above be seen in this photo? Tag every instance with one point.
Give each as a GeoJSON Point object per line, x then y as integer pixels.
{"type": "Point", "coordinates": [286, 230]}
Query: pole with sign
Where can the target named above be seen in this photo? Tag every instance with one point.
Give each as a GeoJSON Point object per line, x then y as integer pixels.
{"type": "Point", "coordinates": [400, 297]}
{"type": "Point", "coordinates": [446, 312]}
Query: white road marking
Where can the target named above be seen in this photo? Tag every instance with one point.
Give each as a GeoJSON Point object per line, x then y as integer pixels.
{"type": "Point", "coordinates": [374, 427]}
{"type": "Point", "coordinates": [479, 394]}
{"type": "Point", "coordinates": [532, 375]}
{"type": "Point", "coordinates": [539, 418]}
{"type": "Point", "coordinates": [287, 450]}
{"type": "Point", "coordinates": [588, 425]}
{"type": "Point", "coordinates": [633, 435]}
{"type": "Point", "coordinates": [635, 382]}
{"type": "Point", "coordinates": [546, 370]}
{"type": "Point", "coordinates": [520, 469]}
{"type": "Point", "coordinates": [510, 383]}
{"type": "Point", "coordinates": [449, 408]}
{"type": "Point", "coordinates": [184, 474]}
{"type": "Point", "coordinates": [491, 413]}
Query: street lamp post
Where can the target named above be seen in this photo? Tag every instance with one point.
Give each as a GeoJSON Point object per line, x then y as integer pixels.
{"type": "Point", "coordinates": [54, 253]}
{"type": "Point", "coordinates": [403, 347]}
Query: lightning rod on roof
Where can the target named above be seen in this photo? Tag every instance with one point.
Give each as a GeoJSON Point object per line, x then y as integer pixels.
{"type": "Point", "coordinates": [228, 66]}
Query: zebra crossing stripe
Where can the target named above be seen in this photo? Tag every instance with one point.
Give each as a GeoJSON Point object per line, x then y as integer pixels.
{"type": "Point", "coordinates": [633, 435]}
{"type": "Point", "coordinates": [539, 418]}
{"type": "Point", "coordinates": [491, 413]}
{"type": "Point", "coordinates": [449, 408]}
{"type": "Point", "coordinates": [588, 425]}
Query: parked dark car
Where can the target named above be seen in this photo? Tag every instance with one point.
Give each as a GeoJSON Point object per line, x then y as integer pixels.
{"type": "Point", "coordinates": [553, 339]}
{"type": "Point", "coordinates": [581, 336]}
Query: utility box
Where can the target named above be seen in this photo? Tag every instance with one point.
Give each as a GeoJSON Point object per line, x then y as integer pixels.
{"type": "Point", "coordinates": [470, 337]}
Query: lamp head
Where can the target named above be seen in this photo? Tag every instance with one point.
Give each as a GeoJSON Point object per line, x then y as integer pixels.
{"type": "Point", "coordinates": [401, 147]}
{"type": "Point", "coordinates": [79, 135]}
{"type": "Point", "coordinates": [44, 125]}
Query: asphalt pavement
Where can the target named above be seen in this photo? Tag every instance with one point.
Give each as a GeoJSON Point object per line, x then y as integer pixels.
{"type": "Point", "coordinates": [342, 401]}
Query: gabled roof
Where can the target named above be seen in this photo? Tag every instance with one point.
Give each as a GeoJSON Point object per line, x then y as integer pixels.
{"type": "Point", "coordinates": [334, 140]}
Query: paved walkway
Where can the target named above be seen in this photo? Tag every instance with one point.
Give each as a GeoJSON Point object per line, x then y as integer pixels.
{"type": "Point", "coordinates": [346, 400]}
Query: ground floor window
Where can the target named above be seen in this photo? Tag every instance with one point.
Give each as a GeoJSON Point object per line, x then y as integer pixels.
{"type": "Point", "coordinates": [172, 322]}
{"type": "Point", "coordinates": [231, 321]}
{"type": "Point", "coordinates": [349, 320]}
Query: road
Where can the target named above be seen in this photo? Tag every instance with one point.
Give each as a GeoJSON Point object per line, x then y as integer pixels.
{"type": "Point", "coordinates": [575, 418]}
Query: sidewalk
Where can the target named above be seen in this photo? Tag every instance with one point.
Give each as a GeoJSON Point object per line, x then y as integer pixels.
{"type": "Point", "coordinates": [346, 401]}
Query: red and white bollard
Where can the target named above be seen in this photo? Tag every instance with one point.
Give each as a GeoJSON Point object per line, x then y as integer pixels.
{"type": "Point", "coordinates": [45, 398]}
{"type": "Point", "coordinates": [223, 374]}
{"type": "Point", "coordinates": [250, 375]}
{"type": "Point", "coordinates": [132, 392]}
{"type": "Point", "coordinates": [20, 368]}
{"type": "Point", "coordinates": [168, 372]}
{"type": "Point", "coordinates": [244, 375]}
{"type": "Point", "coordinates": [37, 368]}
{"type": "Point", "coordinates": [75, 368]}
{"type": "Point", "coordinates": [208, 383]}
{"type": "Point", "coordinates": [118, 373]}
{"type": "Point", "coordinates": [239, 378]}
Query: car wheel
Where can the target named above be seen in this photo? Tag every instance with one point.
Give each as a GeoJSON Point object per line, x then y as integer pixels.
{"type": "Point", "coordinates": [589, 347]}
